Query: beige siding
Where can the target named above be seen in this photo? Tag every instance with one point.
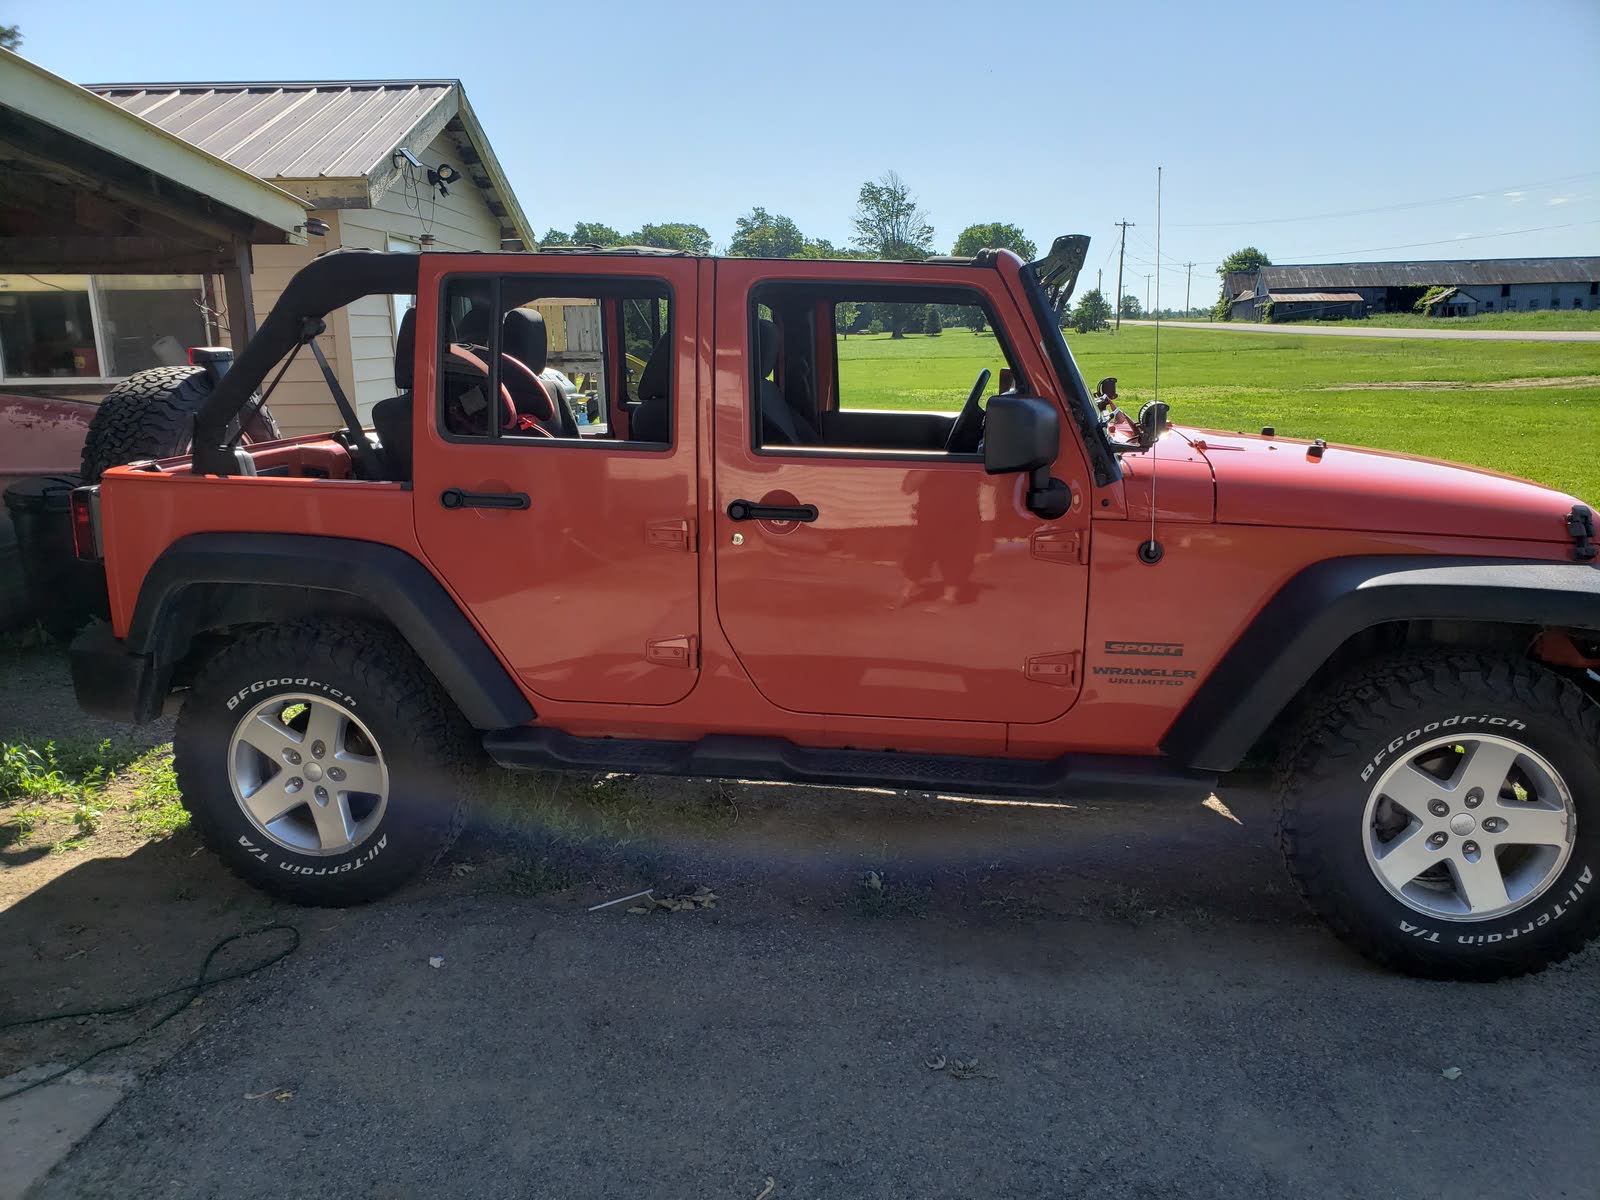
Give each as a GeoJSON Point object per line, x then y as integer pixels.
{"type": "Point", "coordinates": [301, 402]}
{"type": "Point", "coordinates": [459, 221]}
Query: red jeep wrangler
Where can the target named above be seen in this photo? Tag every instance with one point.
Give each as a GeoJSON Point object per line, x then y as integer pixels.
{"type": "Point", "coordinates": [710, 557]}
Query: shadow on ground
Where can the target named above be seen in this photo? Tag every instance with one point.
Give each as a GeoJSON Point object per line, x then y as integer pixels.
{"type": "Point", "coordinates": [1032, 1000]}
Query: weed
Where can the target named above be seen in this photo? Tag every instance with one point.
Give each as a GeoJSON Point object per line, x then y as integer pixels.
{"type": "Point", "coordinates": [877, 898]}
{"type": "Point", "coordinates": [155, 805]}
{"type": "Point", "coordinates": [538, 875]}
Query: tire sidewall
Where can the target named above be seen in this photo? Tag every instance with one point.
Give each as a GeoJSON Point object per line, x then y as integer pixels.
{"type": "Point", "coordinates": [1338, 798]}
{"type": "Point", "coordinates": [417, 818]}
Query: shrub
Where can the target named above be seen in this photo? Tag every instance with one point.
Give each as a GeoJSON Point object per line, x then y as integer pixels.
{"type": "Point", "coordinates": [931, 325]}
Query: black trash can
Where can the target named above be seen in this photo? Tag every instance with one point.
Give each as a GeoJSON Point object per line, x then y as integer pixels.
{"type": "Point", "coordinates": [62, 592]}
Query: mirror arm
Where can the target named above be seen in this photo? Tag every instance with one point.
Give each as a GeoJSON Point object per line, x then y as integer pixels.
{"type": "Point", "coordinates": [1047, 496]}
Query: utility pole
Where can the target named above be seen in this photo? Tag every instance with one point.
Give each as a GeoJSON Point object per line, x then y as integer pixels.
{"type": "Point", "coordinates": [1097, 274]}
{"type": "Point", "coordinates": [1188, 276]}
{"type": "Point", "coordinates": [1121, 246]}
{"type": "Point", "coordinates": [1147, 295]}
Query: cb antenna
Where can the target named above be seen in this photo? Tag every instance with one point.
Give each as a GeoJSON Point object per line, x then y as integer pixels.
{"type": "Point", "coordinates": [1151, 551]}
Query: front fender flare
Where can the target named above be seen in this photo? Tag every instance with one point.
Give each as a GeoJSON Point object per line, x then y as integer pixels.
{"type": "Point", "coordinates": [1319, 609]}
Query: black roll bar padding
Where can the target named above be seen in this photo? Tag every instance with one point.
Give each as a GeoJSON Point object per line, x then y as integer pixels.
{"type": "Point", "coordinates": [326, 283]}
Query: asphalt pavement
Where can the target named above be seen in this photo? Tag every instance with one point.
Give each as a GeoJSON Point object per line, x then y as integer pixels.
{"type": "Point", "coordinates": [894, 996]}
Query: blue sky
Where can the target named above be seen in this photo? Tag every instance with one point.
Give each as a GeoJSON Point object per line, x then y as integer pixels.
{"type": "Point", "coordinates": [1273, 121]}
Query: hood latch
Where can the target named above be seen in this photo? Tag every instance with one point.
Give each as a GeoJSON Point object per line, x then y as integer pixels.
{"type": "Point", "coordinates": [1580, 528]}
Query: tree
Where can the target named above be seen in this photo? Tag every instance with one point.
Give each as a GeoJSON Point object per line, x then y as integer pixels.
{"type": "Point", "coordinates": [931, 324]}
{"type": "Point", "coordinates": [555, 237]}
{"type": "Point", "coordinates": [1131, 306]}
{"type": "Point", "coordinates": [844, 317]}
{"type": "Point", "coordinates": [674, 235]}
{"type": "Point", "coordinates": [1093, 312]}
{"type": "Point", "coordinates": [595, 233]}
{"type": "Point", "coordinates": [1248, 259]}
{"type": "Point", "coordinates": [996, 235]}
{"type": "Point", "coordinates": [10, 37]}
{"type": "Point", "coordinates": [760, 234]}
{"type": "Point", "coordinates": [888, 222]}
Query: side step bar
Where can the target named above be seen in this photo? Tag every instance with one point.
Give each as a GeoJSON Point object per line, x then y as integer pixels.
{"type": "Point", "coordinates": [723, 756]}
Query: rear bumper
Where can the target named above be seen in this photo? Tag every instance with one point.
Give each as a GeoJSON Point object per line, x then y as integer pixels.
{"type": "Point", "coordinates": [111, 682]}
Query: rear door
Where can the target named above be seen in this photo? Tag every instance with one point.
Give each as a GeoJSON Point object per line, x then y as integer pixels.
{"type": "Point", "coordinates": [576, 555]}
{"type": "Point", "coordinates": [921, 587]}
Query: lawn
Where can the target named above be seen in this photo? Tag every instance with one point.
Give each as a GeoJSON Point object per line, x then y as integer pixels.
{"type": "Point", "coordinates": [1527, 408]}
{"type": "Point", "coordinates": [1545, 319]}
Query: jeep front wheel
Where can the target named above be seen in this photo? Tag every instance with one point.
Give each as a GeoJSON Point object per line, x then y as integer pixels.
{"type": "Point", "coordinates": [322, 762]}
{"type": "Point", "coordinates": [1443, 816]}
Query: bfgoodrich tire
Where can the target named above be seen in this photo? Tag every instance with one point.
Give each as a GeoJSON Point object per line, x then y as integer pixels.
{"type": "Point", "coordinates": [151, 415]}
{"type": "Point", "coordinates": [322, 762]}
{"type": "Point", "coordinates": [1442, 814]}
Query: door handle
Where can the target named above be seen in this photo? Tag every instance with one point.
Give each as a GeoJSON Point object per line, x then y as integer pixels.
{"type": "Point", "coordinates": [457, 498]}
{"type": "Point", "coordinates": [749, 510]}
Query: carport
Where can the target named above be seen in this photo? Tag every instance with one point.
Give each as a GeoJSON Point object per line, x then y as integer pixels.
{"type": "Point", "coordinates": [88, 188]}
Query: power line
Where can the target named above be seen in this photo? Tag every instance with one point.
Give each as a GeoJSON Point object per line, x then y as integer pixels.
{"type": "Point", "coordinates": [1366, 212]}
{"type": "Point", "coordinates": [1474, 237]}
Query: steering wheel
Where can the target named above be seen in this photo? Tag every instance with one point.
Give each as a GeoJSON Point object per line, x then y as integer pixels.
{"type": "Point", "coordinates": [967, 432]}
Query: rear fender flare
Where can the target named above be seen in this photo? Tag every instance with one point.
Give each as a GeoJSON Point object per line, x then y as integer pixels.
{"type": "Point", "coordinates": [1325, 605]}
{"type": "Point", "coordinates": [207, 580]}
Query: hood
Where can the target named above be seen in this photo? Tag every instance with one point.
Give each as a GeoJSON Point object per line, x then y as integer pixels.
{"type": "Point", "coordinates": [1282, 481]}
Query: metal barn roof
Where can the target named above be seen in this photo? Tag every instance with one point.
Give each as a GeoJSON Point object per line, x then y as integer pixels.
{"type": "Point", "coordinates": [287, 130]}
{"type": "Point", "coordinates": [1463, 272]}
{"type": "Point", "coordinates": [1312, 297]}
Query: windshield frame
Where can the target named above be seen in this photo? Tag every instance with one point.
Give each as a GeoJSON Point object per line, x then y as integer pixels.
{"type": "Point", "coordinates": [1095, 438]}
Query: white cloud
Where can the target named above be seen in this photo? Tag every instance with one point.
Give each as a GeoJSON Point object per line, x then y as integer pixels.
{"type": "Point", "coordinates": [1514, 197]}
{"type": "Point", "coordinates": [1559, 199]}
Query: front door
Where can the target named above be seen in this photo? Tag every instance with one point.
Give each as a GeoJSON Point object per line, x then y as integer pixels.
{"type": "Point", "coordinates": [569, 536]}
{"type": "Point", "coordinates": [906, 582]}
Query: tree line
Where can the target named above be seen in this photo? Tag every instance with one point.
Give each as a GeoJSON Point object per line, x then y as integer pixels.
{"type": "Point", "coordinates": [888, 223]}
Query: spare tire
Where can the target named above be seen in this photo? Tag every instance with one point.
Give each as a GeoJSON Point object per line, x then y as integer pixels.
{"type": "Point", "coordinates": [151, 415]}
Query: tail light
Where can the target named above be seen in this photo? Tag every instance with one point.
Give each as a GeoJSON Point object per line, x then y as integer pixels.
{"type": "Point", "coordinates": [85, 506]}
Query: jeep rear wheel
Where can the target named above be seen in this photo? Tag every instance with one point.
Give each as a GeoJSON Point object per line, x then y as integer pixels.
{"type": "Point", "coordinates": [322, 762]}
{"type": "Point", "coordinates": [1443, 815]}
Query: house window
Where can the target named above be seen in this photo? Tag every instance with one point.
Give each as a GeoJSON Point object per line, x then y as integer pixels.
{"type": "Point", "coordinates": [1505, 290]}
{"type": "Point", "coordinates": [1488, 306]}
{"type": "Point", "coordinates": [1594, 289]}
{"type": "Point", "coordinates": [90, 328]}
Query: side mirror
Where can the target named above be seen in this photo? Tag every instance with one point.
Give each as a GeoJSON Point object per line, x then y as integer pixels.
{"type": "Point", "coordinates": [1020, 433]}
{"type": "Point", "coordinates": [1153, 422]}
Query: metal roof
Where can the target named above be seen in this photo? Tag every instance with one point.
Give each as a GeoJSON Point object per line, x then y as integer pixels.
{"type": "Point", "coordinates": [1464, 272]}
{"type": "Point", "coordinates": [336, 130]}
{"type": "Point", "coordinates": [45, 98]}
{"type": "Point", "coordinates": [1312, 297]}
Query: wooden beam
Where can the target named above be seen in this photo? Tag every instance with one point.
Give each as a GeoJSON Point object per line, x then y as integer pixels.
{"type": "Point", "coordinates": [241, 305]}
{"type": "Point", "coordinates": [102, 255]}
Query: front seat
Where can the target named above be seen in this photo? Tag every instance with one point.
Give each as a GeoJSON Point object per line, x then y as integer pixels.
{"type": "Point", "coordinates": [391, 418]}
{"type": "Point", "coordinates": [652, 417]}
{"type": "Point", "coordinates": [522, 337]}
{"type": "Point", "coordinates": [781, 425]}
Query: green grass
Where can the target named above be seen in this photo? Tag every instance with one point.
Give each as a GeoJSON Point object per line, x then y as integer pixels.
{"type": "Point", "coordinates": [1448, 399]}
{"type": "Point", "coordinates": [1544, 319]}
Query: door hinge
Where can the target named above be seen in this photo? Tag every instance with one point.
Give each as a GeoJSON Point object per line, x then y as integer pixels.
{"type": "Point", "coordinates": [680, 651]}
{"type": "Point", "coordinates": [671, 535]}
{"type": "Point", "coordinates": [1061, 545]}
{"type": "Point", "coordinates": [1058, 670]}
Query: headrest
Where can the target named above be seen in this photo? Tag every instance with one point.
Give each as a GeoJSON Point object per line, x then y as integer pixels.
{"type": "Point", "coordinates": [405, 352]}
{"type": "Point", "coordinates": [523, 338]}
{"type": "Point", "coordinates": [768, 340]}
{"type": "Point", "coordinates": [473, 327]}
{"type": "Point", "coordinates": [656, 378]}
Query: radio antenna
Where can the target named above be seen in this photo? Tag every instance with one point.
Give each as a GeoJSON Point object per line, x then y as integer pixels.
{"type": "Point", "coordinates": [1151, 551]}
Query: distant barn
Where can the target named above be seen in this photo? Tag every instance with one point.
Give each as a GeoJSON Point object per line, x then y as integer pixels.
{"type": "Point", "coordinates": [1452, 288]}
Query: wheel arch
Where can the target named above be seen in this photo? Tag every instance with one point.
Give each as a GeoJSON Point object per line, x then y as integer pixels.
{"type": "Point", "coordinates": [206, 586]}
{"type": "Point", "coordinates": [1340, 611]}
